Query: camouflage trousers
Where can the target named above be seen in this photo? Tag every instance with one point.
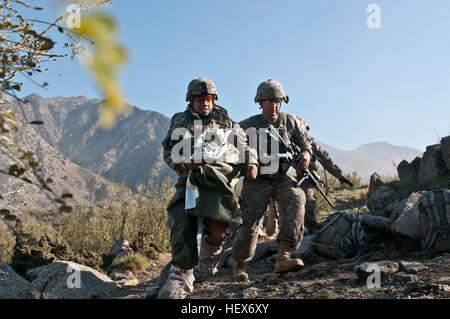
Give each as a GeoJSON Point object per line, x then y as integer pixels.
{"type": "Point", "coordinates": [255, 197]}
{"type": "Point", "coordinates": [183, 232]}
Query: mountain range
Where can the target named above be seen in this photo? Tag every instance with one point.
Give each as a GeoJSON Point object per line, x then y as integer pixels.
{"type": "Point", "coordinates": [82, 157]}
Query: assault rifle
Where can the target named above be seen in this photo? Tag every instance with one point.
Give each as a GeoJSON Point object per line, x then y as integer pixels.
{"type": "Point", "coordinates": [292, 153]}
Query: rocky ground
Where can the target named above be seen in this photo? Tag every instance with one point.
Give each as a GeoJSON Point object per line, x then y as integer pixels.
{"type": "Point", "coordinates": [410, 277]}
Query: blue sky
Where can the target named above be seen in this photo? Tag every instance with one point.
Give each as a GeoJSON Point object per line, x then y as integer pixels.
{"type": "Point", "coordinates": [352, 84]}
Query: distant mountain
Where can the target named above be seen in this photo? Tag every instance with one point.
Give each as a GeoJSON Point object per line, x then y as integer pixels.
{"type": "Point", "coordinates": [85, 186]}
{"type": "Point", "coordinates": [379, 157]}
{"type": "Point", "coordinates": [131, 152]}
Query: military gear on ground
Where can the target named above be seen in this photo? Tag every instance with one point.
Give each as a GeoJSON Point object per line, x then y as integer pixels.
{"type": "Point", "coordinates": [284, 262]}
{"type": "Point", "coordinates": [270, 90]}
{"type": "Point", "coordinates": [209, 258]}
{"type": "Point", "coordinates": [239, 273]}
{"type": "Point", "coordinates": [434, 212]}
{"type": "Point", "coordinates": [179, 284]}
{"type": "Point", "coordinates": [201, 86]}
{"type": "Point", "coordinates": [342, 236]}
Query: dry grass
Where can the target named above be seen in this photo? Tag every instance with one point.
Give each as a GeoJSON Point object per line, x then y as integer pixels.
{"type": "Point", "coordinates": [133, 262]}
{"type": "Point", "coordinates": [89, 233]}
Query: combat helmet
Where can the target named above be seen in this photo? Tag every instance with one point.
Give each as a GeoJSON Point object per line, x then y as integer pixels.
{"type": "Point", "coordinates": [201, 86]}
{"type": "Point", "coordinates": [270, 90]}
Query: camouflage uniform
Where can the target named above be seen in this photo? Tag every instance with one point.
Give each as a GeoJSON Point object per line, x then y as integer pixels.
{"type": "Point", "coordinates": [183, 226]}
{"type": "Point", "coordinates": [256, 193]}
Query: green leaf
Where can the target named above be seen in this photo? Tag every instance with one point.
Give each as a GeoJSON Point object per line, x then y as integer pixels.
{"type": "Point", "coordinates": [66, 195]}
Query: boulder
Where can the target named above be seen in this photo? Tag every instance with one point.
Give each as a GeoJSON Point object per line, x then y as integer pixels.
{"type": "Point", "coordinates": [408, 223]}
{"type": "Point", "coordinates": [119, 247]}
{"type": "Point", "coordinates": [375, 182]}
{"type": "Point", "coordinates": [119, 250]}
{"type": "Point", "coordinates": [432, 165]}
{"type": "Point", "coordinates": [445, 150]}
{"type": "Point", "coordinates": [12, 286]}
{"type": "Point", "coordinates": [69, 280]}
{"type": "Point", "coordinates": [381, 198]}
{"type": "Point", "coordinates": [406, 205]}
{"type": "Point", "coordinates": [409, 172]}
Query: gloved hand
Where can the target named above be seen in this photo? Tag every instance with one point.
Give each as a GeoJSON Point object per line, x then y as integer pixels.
{"type": "Point", "coordinates": [343, 180]}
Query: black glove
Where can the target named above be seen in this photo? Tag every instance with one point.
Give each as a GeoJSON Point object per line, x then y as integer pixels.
{"type": "Point", "coordinates": [343, 180]}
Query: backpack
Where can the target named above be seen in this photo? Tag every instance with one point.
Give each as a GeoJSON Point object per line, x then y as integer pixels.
{"type": "Point", "coordinates": [434, 217]}
{"type": "Point", "coordinates": [341, 237]}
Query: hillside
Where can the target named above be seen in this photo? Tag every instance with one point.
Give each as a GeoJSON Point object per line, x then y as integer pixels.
{"type": "Point", "coordinates": [131, 152]}
{"type": "Point", "coordinates": [85, 186]}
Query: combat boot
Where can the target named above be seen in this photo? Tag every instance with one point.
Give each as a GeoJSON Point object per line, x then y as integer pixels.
{"type": "Point", "coordinates": [209, 259]}
{"type": "Point", "coordinates": [239, 273]}
{"type": "Point", "coordinates": [284, 262]}
{"type": "Point", "coordinates": [179, 284]}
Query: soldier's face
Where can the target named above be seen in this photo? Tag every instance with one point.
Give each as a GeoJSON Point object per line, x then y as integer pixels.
{"type": "Point", "coordinates": [270, 109]}
{"type": "Point", "coordinates": [203, 104]}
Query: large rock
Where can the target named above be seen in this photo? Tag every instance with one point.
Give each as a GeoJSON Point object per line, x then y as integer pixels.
{"type": "Point", "coordinates": [69, 280]}
{"type": "Point", "coordinates": [380, 195]}
{"type": "Point", "coordinates": [445, 150]}
{"type": "Point", "coordinates": [118, 251]}
{"type": "Point", "coordinates": [405, 205]}
{"type": "Point", "coordinates": [12, 286]}
{"type": "Point", "coordinates": [409, 172]}
{"type": "Point", "coordinates": [432, 165]}
{"type": "Point", "coordinates": [408, 224]}
{"type": "Point", "coordinates": [375, 182]}
{"type": "Point", "coordinates": [119, 247]}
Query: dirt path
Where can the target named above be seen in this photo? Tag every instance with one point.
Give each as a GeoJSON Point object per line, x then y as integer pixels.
{"type": "Point", "coordinates": [323, 280]}
{"type": "Point", "coordinates": [320, 278]}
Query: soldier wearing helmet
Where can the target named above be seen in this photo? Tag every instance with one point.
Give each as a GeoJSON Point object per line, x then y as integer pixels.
{"type": "Point", "coordinates": [215, 204]}
{"type": "Point", "coordinates": [320, 155]}
{"type": "Point", "coordinates": [257, 193]}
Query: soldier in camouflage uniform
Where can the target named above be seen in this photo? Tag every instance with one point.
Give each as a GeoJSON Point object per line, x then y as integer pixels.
{"type": "Point", "coordinates": [256, 193]}
{"type": "Point", "coordinates": [176, 280]}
